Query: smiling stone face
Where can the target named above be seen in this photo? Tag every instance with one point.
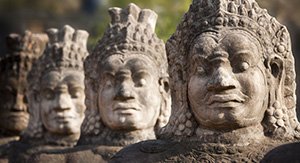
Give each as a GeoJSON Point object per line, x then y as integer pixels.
{"type": "Point", "coordinates": [62, 102]}
{"type": "Point", "coordinates": [129, 96]}
{"type": "Point", "coordinates": [227, 87]}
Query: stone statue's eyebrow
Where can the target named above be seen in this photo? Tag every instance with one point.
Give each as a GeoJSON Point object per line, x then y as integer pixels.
{"type": "Point", "coordinates": [142, 71]}
{"type": "Point", "coordinates": [123, 72]}
{"type": "Point", "coordinates": [73, 79]}
{"type": "Point", "coordinates": [108, 73]}
{"type": "Point", "coordinates": [196, 59]}
{"type": "Point", "coordinates": [51, 87]}
{"type": "Point", "coordinates": [246, 53]}
{"type": "Point", "coordinates": [76, 87]}
{"type": "Point", "coordinates": [75, 84]}
{"type": "Point", "coordinates": [48, 83]}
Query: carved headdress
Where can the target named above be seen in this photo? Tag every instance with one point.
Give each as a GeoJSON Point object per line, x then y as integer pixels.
{"type": "Point", "coordinates": [131, 32]}
{"type": "Point", "coordinates": [66, 49]}
{"type": "Point", "coordinates": [216, 15]}
{"type": "Point", "coordinates": [22, 51]}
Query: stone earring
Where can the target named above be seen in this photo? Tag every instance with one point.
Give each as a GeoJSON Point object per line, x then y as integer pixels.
{"type": "Point", "coordinates": [277, 116]}
{"type": "Point", "coordinates": [91, 123]}
{"type": "Point", "coordinates": [185, 125]}
{"type": "Point", "coordinates": [37, 130]}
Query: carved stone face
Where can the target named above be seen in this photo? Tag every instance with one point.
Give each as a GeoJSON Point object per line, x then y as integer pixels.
{"type": "Point", "coordinates": [62, 101]}
{"type": "Point", "coordinates": [129, 96]}
{"type": "Point", "coordinates": [227, 88]}
{"type": "Point", "coordinates": [13, 105]}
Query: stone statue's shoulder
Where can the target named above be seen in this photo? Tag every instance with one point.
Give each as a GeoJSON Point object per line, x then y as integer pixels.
{"type": "Point", "coordinates": [149, 151]}
{"type": "Point", "coordinates": [190, 151]}
{"type": "Point", "coordinates": [86, 153]}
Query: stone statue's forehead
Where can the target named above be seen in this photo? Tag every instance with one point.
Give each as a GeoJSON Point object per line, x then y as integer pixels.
{"type": "Point", "coordinates": [231, 43]}
{"type": "Point", "coordinates": [67, 77]}
{"type": "Point", "coordinates": [134, 63]}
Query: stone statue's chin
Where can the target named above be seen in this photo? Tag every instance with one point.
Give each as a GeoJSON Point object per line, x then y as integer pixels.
{"type": "Point", "coordinates": [123, 121]}
{"type": "Point", "coordinates": [64, 126]}
{"type": "Point", "coordinates": [231, 122]}
{"type": "Point", "coordinates": [14, 121]}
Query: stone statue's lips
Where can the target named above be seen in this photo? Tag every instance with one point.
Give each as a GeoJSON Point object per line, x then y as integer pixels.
{"type": "Point", "coordinates": [63, 118]}
{"type": "Point", "coordinates": [17, 115]}
{"type": "Point", "coordinates": [124, 107]}
{"type": "Point", "coordinates": [226, 99]}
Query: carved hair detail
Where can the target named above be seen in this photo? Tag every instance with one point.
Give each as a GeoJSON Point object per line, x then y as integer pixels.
{"type": "Point", "coordinates": [131, 32]}
{"type": "Point", "coordinates": [66, 50]}
{"type": "Point", "coordinates": [213, 15]}
{"type": "Point", "coordinates": [22, 50]}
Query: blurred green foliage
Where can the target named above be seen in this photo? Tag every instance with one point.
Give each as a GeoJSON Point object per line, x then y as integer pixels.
{"type": "Point", "coordinates": [169, 15]}
{"type": "Point", "coordinates": [38, 15]}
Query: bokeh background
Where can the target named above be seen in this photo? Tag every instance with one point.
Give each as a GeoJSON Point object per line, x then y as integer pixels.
{"type": "Point", "coordinates": [91, 15]}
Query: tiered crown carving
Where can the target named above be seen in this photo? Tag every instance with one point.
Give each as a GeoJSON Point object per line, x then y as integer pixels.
{"type": "Point", "coordinates": [22, 50]}
{"type": "Point", "coordinates": [244, 14]}
{"type": "Point", "coordinates": [66, 49]}
{"type": "Point", "coordinates": [131, 29]}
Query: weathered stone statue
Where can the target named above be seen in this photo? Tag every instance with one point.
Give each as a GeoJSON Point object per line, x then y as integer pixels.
{"type": "Point", "coordinates": [22, 50]}
{"type": "Point", "coordinates": [128, 97]}
{"type": "Point", "coordinates": [127, 88]}
{"type": "Point", "coordinates": [55, 94]}
{"type": "Point", "coordinates": [233, 87]}
{"type": "Point", "coordinates": [56, 89]}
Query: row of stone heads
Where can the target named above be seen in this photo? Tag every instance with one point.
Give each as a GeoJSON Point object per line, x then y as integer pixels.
{"type": "Point", "coordinates": [228, 67]}
{"type": "Point", "coordinates": [43, 74]}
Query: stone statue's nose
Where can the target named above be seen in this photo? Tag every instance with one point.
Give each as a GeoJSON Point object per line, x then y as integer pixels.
{"type": "Point", "coordinates": [19, 104]}
{"type": "Point", "coordinates": [63, 102]}
{"type": "Point", "coordinates": [222, 79]}
{"type": "Point", "coordinates": [124, 91]}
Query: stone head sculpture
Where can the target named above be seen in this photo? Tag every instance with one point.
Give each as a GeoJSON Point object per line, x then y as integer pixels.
{"type": "Point", "coordinates": [232, 68]}
{"type": "Point", "coordinates": [127, 86]}
{"type": "Point", "coordinates": [22, 50]}
{"type": "Point", "coordinates": [56, 89]}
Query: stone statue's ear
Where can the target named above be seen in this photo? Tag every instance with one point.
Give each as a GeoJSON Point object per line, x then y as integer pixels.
{"type": "Point", "coordinates": [164, 85]}
{"type": "Point", "coordinates": [276, 68]}
{"type": "Point", "coordinates": [165, 109]}
{"type": "Point", "coordinates": [276, 72]}
{"type": "Point", "coordinates": [37, 96]}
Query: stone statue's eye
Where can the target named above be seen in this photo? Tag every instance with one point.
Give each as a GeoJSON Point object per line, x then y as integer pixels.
{"type": "Point", "coordinates": [244, 66]}
{"type": "Point", "coordinates": [140, 78]}
{"type": "Point", "coordinates": [75, 93]}
{"type": "Point", "coordinates": [25, 100]}
{"type": "Point", "coordinates": [108, 83]}
{"type": "Point", "coordinates": [200, 70]}
{"type": "Point", "coordinates": [48, 94]}
{"type": "Point", "coordinates": [108, 80]}
{"type": "Point", "coordinates": [141, 82]}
